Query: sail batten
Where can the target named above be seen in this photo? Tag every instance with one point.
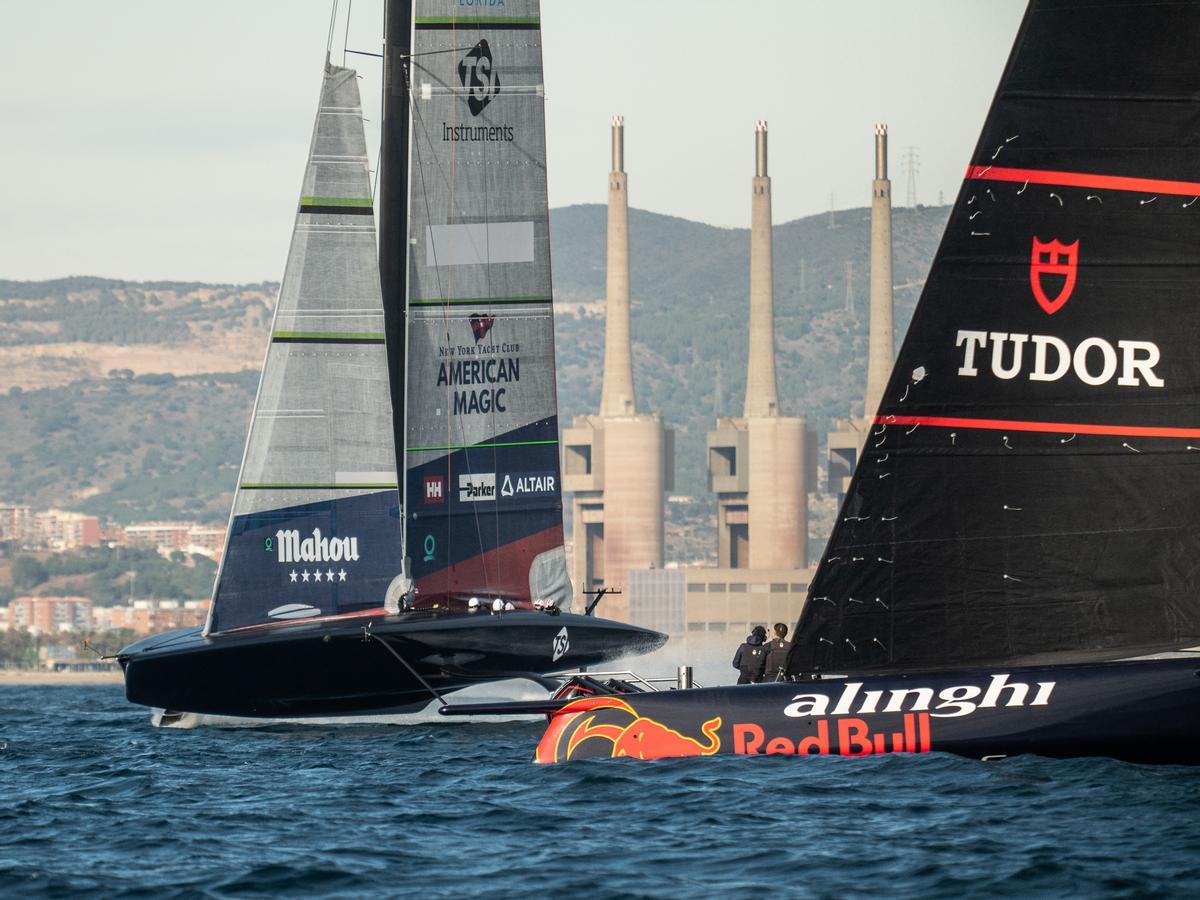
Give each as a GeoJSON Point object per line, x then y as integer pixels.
{"type": "Point", "coordinates": [315, 528]}
{"type": "Point", "coordinates": [1029, 489]}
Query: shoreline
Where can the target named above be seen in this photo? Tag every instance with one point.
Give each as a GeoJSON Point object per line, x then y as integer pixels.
{"type": "Point", "coordinates": [40, 678]}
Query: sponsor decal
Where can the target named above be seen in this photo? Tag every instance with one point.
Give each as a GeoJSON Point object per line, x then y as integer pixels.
{"type": "Point", "coordinates": [845, 722]}
{"type": "Point", "coordinates": [1043, 357]}
{"type": "Point", "coordinates": [845, 737]}
{"type": "Point", "coordinates": [621, 731]}
{"type": "Point", "coordinates": [476, 133]}
{"type": "Point", "coordinates": [1058, 261]}
{"type": "Point", "coordinates": [479, 77]}
{"type": "Point", "coordinates": [481, 325]}
{"type": "Point", "coordinates": [294, 611]}
{"type": "Point", "coordinates": [316, 548]}
{"type": "Point", "coordinates": [951, 702]}
{"type": "Point", "coordinates": [503, 370]}
{"type": "Point", "coordinates": [536, 483]}
{"type": "Point", "coordinates": [562, 643]}
{"type": "Point", "coordinates": [435, 489]}
{"type": "Point", "coordinates": [430, 547]}
{"type": "Point", "coordinates": [476, 487]}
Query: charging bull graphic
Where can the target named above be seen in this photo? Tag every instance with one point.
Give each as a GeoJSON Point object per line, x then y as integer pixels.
{"type": "Point", "coordinates": [620, 727]}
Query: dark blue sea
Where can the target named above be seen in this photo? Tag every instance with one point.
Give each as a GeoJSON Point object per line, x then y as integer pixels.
{"type": "Point", "coordinates": [94, 801]}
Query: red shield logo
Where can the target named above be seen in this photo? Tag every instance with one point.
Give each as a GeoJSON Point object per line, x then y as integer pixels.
{"type": "Point", "coordinates": [1059, 261]}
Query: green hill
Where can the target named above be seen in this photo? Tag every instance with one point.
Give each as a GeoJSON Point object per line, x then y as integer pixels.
{"type": "Point", "coordinates": [161, 446]}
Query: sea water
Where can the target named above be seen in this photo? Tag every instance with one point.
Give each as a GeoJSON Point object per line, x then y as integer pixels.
{"type": "Point", "coordinates": [95, 801]}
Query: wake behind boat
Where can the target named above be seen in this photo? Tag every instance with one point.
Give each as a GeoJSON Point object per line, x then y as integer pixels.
{"type": "Point", "coordinates": [344, 587]}
{"type": "Point", "coordinates": [1016, 565]}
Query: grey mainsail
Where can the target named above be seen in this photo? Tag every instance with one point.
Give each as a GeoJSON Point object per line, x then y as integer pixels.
{"type": "Point", "coordinates": [484, 502]}
{"type": "Point", "coordinates": [315, 527]}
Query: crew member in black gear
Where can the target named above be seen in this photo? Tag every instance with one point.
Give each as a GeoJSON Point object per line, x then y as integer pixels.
{"type": "Point", "coordinates": [777, 653]}
{"type": "Point", "coordinates": [751, 658]}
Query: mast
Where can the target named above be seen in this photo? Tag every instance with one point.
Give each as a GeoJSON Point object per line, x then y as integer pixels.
{"type": "Point", "coordinates": [393, 208]}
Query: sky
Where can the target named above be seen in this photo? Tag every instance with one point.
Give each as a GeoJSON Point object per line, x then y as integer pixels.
{"type": "Point", "coordinates": [146, 139]}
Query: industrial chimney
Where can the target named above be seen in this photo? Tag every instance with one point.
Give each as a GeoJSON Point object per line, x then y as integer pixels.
{"type": "Point", "coordinates": [762, 398]}
{"type": "Point", "coordinates": [616, 397]}
{"type": "Point", "coordinates": [880, 352]}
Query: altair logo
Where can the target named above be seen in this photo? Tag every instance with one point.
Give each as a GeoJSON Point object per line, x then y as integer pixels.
{"type": "Point", "coordinates": [316, 548]}
{"type": "Point", "coordinates": [478, 77]}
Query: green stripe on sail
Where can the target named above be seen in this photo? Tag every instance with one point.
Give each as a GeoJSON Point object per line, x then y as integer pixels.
{"type": "Point", "coordinates": [486, 446]}
{"type": "Point", "coordinates": [469, 301]}
{"type": "Point", "coordinates": [273, 486]}
{"type": "Point", "coordinates": [329, 335]}
{"type": "Point", "coordinates": [336, 201]}
{"type": "Point", "coordinates": [480, 21]}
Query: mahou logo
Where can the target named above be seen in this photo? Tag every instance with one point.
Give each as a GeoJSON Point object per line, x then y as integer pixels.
{"type": "Point", "coordinates": [478, 77]}
{"type": "Point", "coordinates": [1059, 261]}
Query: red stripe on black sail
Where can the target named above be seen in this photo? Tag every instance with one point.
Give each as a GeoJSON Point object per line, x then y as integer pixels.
{"type": "Point", "coordinates": [1030, 488]}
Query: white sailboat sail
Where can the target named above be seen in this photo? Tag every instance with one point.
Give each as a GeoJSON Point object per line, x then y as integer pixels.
{"type": "Point", "coordinates": [315, 528]}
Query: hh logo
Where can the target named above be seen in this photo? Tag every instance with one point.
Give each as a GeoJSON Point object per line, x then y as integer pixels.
{"type": "Point", "coordinates": [478, 77]}
{"type": "Point", "coordinates": [481, 325]}
{"type": "Point", "coordinates": [435, 489]}
{"type": "Point", "coordinates": [1058, 261]}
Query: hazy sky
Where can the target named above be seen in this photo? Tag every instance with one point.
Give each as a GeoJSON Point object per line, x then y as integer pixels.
{"type": "Point", "coordinates": [149, 139]}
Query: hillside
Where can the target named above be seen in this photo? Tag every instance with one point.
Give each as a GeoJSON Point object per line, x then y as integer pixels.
{"type": "Point", "coordinates": [130, 400]}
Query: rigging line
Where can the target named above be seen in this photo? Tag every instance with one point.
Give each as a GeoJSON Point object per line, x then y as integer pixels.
{"type": "Point", "coordinates": [367, 636]}
{"type": "Point", "coordinates": [332, 25]}
{"type": "Point", "coordinates": [346, 39]}
{"type": "Point", "coordinates": [366, 53]}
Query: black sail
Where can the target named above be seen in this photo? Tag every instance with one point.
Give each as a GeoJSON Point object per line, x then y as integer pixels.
{"type": "Point", "coordinates": [1031, 487]}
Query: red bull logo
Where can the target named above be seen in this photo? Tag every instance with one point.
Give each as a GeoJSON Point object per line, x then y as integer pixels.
{"type": "Point", "coordinates": [608, 726]}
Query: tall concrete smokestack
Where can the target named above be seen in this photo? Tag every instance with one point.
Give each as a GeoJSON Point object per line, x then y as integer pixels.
{"type": "Point", "coordinates": [616, 397]}
{"type": "Point", "coordinates": [762, 397]}
{"type": "Point", "coordinates": [879, 357]}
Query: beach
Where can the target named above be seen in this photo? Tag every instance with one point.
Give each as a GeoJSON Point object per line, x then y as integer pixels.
{"type": "Point", "coordinates": [41, 677]}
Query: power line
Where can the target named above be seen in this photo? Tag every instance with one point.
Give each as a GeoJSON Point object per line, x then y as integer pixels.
{"type": "Point", "coordinates": [911, 165]}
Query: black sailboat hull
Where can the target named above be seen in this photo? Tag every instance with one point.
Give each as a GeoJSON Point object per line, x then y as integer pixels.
{"type": "Point", "coordinates": [1146, 711]}
{"type": "Point", "coordinates": [322, 669]}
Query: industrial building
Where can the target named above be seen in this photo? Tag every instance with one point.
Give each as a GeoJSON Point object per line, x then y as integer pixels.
{"type": "Point", "coordinates": [619, 464]}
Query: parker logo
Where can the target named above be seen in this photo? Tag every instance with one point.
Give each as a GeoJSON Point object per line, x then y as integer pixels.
{"type": "Point", "coordinates": [478, 77]}
{"type": "Point", "coordinates": [481, 325]}
{"type": "Point", "coordinates": [1056, 260]}
{"type": "Point", "coordinates": [477, 487]}
{"type": "Point", "coordinates": [435, 489]}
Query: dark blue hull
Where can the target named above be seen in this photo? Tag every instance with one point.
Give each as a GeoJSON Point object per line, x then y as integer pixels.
{"type": "Point", "coordinates": [1146, 711]}
{"type": "Point", "coordinates": [329, 668]}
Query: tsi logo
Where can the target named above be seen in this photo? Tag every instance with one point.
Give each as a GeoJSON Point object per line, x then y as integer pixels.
{"type": "Point", "coordinates": [478, 77]}
{"type": "Point", "coordinates": [562, 643]}
{"type": "Point", "coordinates": [477, 486]}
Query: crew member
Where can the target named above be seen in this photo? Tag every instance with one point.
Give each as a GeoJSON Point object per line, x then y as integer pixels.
{"type": "Point", "coordinates": [777, 651]}
{"type": "Point", "coordinates": [751, 658]}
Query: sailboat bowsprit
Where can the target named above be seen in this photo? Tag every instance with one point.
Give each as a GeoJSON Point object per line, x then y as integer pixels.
{"type": "Point", "coordinates": [1016, 566]}
{"type": "Point", "coordinates": [344, 587]}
